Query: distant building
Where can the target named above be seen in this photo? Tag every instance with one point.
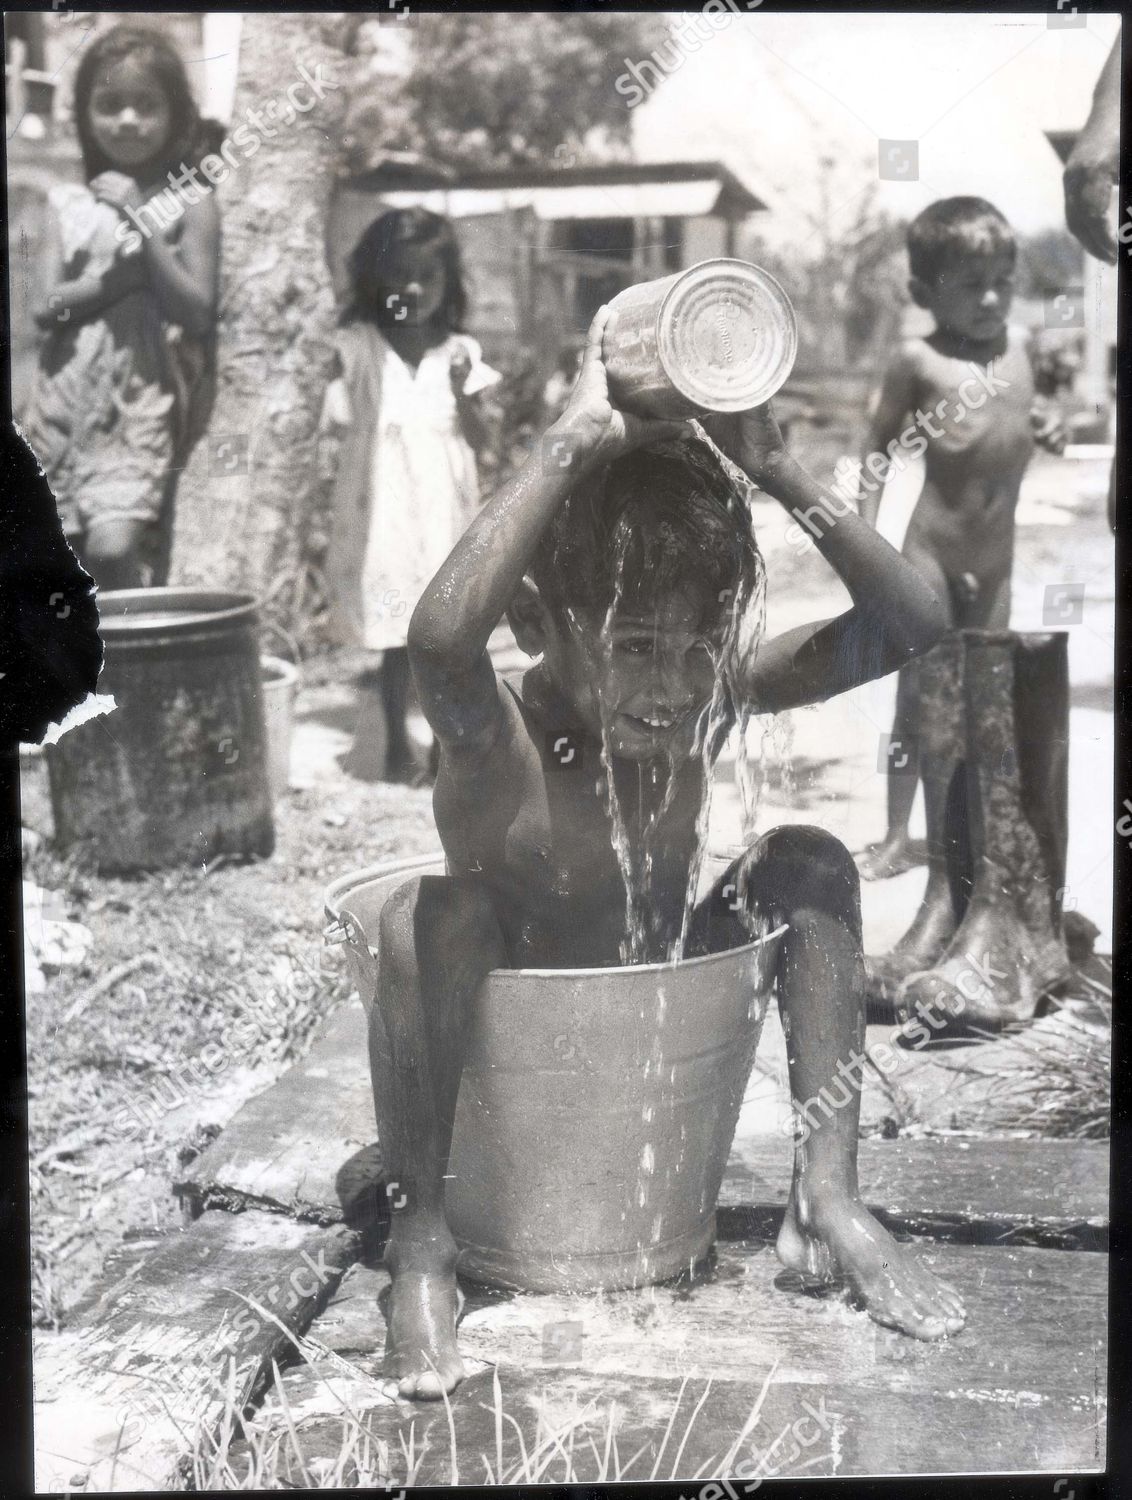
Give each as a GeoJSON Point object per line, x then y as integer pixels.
{"type": "Point", "coordinates": [544, 247]}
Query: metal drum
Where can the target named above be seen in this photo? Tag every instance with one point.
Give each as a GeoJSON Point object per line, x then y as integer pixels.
{"type": "Point", "coordinates": [721, 336]}
{"type": "Point", "coordinates": [596, 1108]}
{"type": "Point", "coordinates": [177, 774]}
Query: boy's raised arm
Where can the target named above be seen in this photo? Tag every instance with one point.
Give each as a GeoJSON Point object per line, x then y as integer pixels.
{"type": "Point", "coordinates": [896, 614]}
{"type": "Point", "coordinates": [465, 601]}
{"type": "Point", "coordinates": [896, 400]}
{"type": "Point", "coordinates": [1094, 167]}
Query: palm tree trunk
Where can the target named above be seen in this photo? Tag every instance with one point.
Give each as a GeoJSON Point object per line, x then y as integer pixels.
{"type": "Point", "coordinates": [247, 495]}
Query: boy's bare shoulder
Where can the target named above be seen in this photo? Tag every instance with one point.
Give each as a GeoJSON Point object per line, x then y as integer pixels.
{"type": "Point", "coordinates": [908, 360]}
{"type": "Point", "coordinates": [913, 351]}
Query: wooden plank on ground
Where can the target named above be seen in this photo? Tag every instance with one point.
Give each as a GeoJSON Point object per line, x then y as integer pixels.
{"type": "Point", "coordinates": [1036, 1323]}
{"type": "Point", "coordinates": [307, 1147]}
{"type": "Point", "coordinates": [895, 1434]}
{"type": "Point", "coordinates": [120, 1397]}
{"type": "Point", "coordinates": [1021, 1388]}
{"type": "Point", "coordinates": [977, 1190]}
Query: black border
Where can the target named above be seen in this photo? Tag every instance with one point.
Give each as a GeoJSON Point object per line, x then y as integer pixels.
{"type": "Point", "coordinates": [28, 527]}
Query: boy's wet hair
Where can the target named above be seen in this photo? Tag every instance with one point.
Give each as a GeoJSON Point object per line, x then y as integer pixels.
{"type": "Point", "coordinates": [403, 232]}
{"type": "Point", "coordinates": [955, 228]}
{"type": "Point", "coordinates": [190, 136]}
{"type": "Point", "coordinates": [675, 517]}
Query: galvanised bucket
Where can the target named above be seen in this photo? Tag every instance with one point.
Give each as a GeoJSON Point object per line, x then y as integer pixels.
{"type": "Point", "coordinates": [279, 682]}
{"type": "Point", "coordinates": [596, 1109]}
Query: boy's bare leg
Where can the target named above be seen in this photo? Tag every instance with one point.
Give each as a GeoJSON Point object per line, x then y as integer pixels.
{"type": "Point", "coordinates": [896, 852]}
{"type": "Point", "coordinates": [804, 877]}
{"type": "Point", "coordinates": [381, 750]}
{"type": "Point", "coordinates": [438, 938]}
{"type": "Point", "coordinates": [396, 694]}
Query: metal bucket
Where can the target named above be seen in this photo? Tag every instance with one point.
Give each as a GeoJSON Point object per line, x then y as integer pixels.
{"type": "Point", "coordinates": [596, 1108]}
{"type": "Point", "coordinates": [721, 336]}
{"type": "Point", "coordinates": [279, 680]}
{"type": "Point", "coordinates": [177, 774]}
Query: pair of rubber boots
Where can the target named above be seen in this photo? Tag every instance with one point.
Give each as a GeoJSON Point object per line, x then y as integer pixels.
{"type": "Point", "coordinates": [987, 943]}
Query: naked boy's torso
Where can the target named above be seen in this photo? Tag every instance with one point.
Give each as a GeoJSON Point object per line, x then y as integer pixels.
{"type": "Point", "coordinates": [539, 834]}
{"type": "Point", "coordinates": [965, 514]}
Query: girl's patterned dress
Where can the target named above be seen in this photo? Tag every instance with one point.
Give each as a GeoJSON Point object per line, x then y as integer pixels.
{"type": "Point", "coordinates": [118, 400]}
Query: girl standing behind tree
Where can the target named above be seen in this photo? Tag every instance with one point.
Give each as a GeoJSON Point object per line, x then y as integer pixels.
{"type": "Point", "coordinates": [406, 488]}
{"type": "Point", "coordinates": [120, 393]}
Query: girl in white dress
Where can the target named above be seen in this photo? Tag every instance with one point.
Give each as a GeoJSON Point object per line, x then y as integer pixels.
{"type": "Point", "coordinates": [405, 489]}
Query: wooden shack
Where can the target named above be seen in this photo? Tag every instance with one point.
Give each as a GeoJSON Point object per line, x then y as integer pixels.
{"type": "Point", "coordinates": [543, 247]}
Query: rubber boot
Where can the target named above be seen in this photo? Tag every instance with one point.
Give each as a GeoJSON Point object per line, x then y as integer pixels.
{"type": "Point", "coordinates": [941, 757]}
{"type": "Point", "coordinates": [1009, 949]}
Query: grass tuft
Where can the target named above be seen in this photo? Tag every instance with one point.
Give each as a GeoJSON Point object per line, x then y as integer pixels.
{"type": "Point", "coordinates": [270, 1448]}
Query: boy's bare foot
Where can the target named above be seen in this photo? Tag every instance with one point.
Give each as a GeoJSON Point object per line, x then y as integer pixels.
{"type": "Point", "coordinates": [421, 1356]}
{"type": "Point", "coordinates": [892, 856]}
{"type": "Point", "coordinates": [845, 1244]}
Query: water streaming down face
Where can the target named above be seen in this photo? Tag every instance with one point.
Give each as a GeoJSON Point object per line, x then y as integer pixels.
{"type": "Point", "coordinates": [732, 658]}
{"type": "Point", "coordinates": [733, 665]}
{"type": "Point", "coordinates": [639, 795]}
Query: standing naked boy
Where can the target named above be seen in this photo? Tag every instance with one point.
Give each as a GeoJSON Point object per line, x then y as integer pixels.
{"type": "Point", "coordinates": [534, 880]}
{"type": "Point", "coordinates": [968, 386]}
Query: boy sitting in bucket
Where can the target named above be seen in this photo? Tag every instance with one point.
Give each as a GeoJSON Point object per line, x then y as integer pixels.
{"type": "Point", "coordinates": [624, 558]}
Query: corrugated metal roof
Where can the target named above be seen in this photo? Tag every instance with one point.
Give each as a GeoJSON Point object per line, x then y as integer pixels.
{"type": "Point", "coordinates": [626, 200]}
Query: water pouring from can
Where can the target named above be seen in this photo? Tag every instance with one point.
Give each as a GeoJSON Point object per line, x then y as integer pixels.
{"type": "Point", "coordinates": [721, 336]}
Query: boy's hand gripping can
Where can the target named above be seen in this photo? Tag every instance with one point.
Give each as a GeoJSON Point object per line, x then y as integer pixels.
{"type": "Point", "coordinates": [721, 336]}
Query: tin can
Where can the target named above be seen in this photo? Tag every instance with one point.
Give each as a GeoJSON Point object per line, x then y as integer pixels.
{"type": "Point", "coordinates": [721, 336]}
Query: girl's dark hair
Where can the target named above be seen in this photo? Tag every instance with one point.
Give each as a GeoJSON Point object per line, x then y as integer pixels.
{"type": "Point", "coordinates": [671, 512]}
{"type": "Point", "coordinates": [403, 231]}
{"type": "Point", "coordinates": [952, 228]}
{"type": "Point", "coordinates": [190, 136]}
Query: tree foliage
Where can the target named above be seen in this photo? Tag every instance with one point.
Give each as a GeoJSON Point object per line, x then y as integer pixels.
{"type": "Point", "coordinates": [498, 90]}
{"type": "Point", "coordinates": [847, 275]}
